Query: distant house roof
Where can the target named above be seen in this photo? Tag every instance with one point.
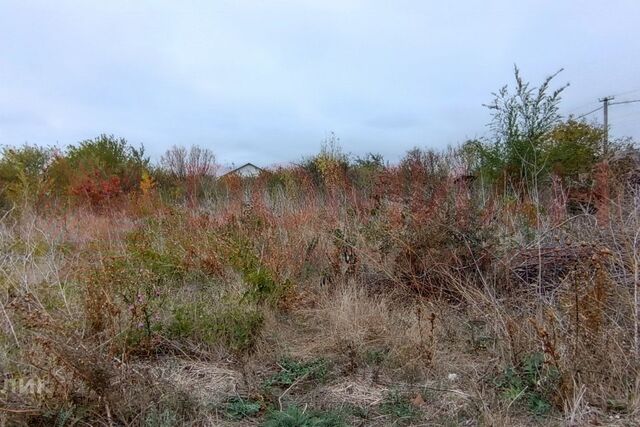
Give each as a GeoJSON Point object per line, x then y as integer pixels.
{"type": "Point", "coordinates": [247, 170]}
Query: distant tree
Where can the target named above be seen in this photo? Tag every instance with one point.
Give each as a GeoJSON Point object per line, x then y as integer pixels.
{"type": "Point", "coordinates": [174, 161]}
{"type": "Point", "coordinates": [23, 173]}
{"type": "Point", "coordinates": [189, 168]}
{"type": "Point", "coordinates": [97, 170]}
{"type": "Point", "coordinates": [108, 156]}
{"type": "Point", "coordinates": [201, 162]}
{"type": "Point", "coordinates": [29, 159]}
{"type": "Point", "coordinates": [573, 147]}
{"type": "Point", "coordinates": [365, 170]}
{"type": "Point", "coordinates": [185, 163]}
{"type": "Point", "coordinates": [330, 166]}
{"type": "Point", "coordinates": [428, 162]}
{"type": "Point", "coordinates": [370, 161]}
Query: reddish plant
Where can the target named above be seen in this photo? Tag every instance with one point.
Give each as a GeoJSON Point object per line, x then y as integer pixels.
{"type": "Point", "coordinates": [97, 190]}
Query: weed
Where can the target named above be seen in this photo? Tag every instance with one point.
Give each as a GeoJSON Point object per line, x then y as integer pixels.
{"type": "Point", "coordinates": [479, 338]}
{"type": "Point", "coordinates": [238, 408]}
{"type": "Point", "coordinates": [399, 407]}
{"type": "Point", "coordinates": [235, 326]}
{"type": "Point", "coordinates": [122, 288]}
{"type": "Point", "coordinates": [90, 299]}
{"type": "Point", "coordinates": [164, 418]}
{"type": "Point", "coordinates": [263, 287]}
{"type": "Point", "coordinates": [292, 371]}
{"type": "Point", "coordinates": [530, 382]}
{"type": "Point", "coordinates": [376, 356]}
{"type": "Point", "coordinates": [361, 412]}
{"type": "Point", "coordinates": [296, 417]}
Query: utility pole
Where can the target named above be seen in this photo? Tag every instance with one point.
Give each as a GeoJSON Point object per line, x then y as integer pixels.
{"type": "Point", "coordinates": [605, 106]}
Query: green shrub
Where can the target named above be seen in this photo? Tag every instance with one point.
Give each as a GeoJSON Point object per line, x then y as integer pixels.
{"type": "Point", "coordinates": [292, 370]}
{"type": "Point", "coordinates": [238, 408]}
{"type": "Point", "coordinates": [133, 284]}
{"type": "Point", "coordinates": [574, 147]}
{"type": "Point", "coordinates": [236, 326]}
{"type": "Point", "coordinates": [23, 174]}
{"type": "Point", "coordinates": [110, 156]}
{"type": "Point", "coordinates": [365, 170]}
{"type": "Point", "coordinates": [122, 286]}
{"type": "Point", "coordinates": [295, 417]}
{"type": "Point", "coordinates": [532, 383]}
{"type": "Point", "coordinates": [521, 124]}
{"type": "Point", "coordinates": [262, 285]}
{"type": "Point", "coordinates": [99, 169]}
{"type": "Point", "coordinates": [152, 250]}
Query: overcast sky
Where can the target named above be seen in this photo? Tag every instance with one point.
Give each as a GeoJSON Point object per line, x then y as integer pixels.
{"type": "Point", "coordinates": [266, 81]}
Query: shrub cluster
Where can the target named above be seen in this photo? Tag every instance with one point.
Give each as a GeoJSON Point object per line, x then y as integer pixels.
{"type": "Point", "coordinates": [374, 262]}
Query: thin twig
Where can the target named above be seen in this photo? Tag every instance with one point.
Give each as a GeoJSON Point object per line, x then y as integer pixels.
{"type": "Point", "coordinates": [290, 387]}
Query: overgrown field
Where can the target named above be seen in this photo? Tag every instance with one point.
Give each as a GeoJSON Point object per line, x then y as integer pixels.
{"type": "Point", "coordinates": [491, 284]}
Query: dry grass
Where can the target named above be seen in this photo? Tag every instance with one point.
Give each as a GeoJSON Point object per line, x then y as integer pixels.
{"type": "Point", "coordinates": [422, 313]}
{"type": "Point", "coordinates": [207, 382]}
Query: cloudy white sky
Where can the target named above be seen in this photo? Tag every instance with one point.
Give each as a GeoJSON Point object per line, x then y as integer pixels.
{"type": "Point", "coordinates": [266, 81]}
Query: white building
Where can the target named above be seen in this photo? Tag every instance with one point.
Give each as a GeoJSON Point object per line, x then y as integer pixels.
{"type": "Point", "coordinates": [248, 170]}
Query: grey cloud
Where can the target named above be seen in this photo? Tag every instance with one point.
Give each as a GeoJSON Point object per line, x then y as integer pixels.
{"type": "Point", "coordinates": [393, 121]}
{"type": "Point", "coordinates": [265, 81]}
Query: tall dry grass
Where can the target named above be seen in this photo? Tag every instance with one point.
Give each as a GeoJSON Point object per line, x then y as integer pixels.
{"type": "Point", "coordinates": [489, 304]}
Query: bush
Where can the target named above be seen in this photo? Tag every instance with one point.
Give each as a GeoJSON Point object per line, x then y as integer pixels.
{"type": "Point", "coordinates": [23, 178]}
{"type": "Point", "coordinates": [110, 156]}
{"type": "Point", "coordinates": [521, 124]}
{"type": "Point", "coordinates": [235, 325]}
{"type": "Point", "coordinates": [262, 284]}
{"type": "Point", "coordinates": [328, 168]}
{"type": "Point", "coordinates": [574, 147]}
{"type": "Point", "coordinates": [365, 171]}
{"type": "Point", "coordinates": [99, 170]}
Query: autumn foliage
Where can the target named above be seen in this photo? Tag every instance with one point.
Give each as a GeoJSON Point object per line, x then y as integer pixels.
{"type": "Point", "coordinates": [452, 287]}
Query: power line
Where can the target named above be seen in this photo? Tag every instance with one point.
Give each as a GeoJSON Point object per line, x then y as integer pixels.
{"type": "Point", "coordinates": [590, 112]}
{"type": "Point", "coordinates": [624, 102]}
{"type": "Point", "coordinates": [627, 92]}
{"type": "Point", "coordinates": [600, 100]}
{"type": "Point", "coordinates": [608, 103]}
{"type": "Point", "coordinates": [630, 111]}
{"type": "Point", "coordinates": [581, 106]}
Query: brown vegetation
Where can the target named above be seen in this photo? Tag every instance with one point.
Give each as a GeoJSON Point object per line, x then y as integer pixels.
{"type": "Point", "coordinates": [337, 292]}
